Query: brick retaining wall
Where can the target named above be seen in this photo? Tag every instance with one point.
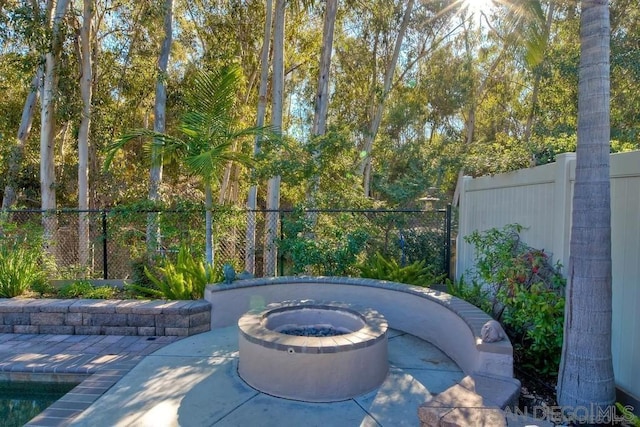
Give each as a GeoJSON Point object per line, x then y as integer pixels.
{"type": "Point", "coordinates": [104, 317]}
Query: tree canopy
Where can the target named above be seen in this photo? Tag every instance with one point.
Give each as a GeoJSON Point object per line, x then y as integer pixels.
{"type": "Point", "coordinates": [469, 91]}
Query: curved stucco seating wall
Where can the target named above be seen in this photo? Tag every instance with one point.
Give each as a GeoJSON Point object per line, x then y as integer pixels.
{"type": "Point", "coordinates": [453, 325]}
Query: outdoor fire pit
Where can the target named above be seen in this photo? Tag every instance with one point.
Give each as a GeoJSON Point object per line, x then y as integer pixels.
{"type": "Point", "coordinates": [313, 351]}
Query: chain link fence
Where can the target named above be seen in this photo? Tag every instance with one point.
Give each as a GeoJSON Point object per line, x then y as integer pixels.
{"type": "Point", "coordinates": [310, 242]}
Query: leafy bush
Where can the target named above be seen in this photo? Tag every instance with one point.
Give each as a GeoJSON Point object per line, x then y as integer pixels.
{"type": "Point", "coordinates": [184, 279]}
{"type": "Point", "coordinates": [85, 289]}
{"type": "Point", "coordinates": [526, 295]}
{"type": "Point", "coordinates": [20, 269]}
{"type": "Point", "coordinates": [382, 268]}
{"type": "Point", "coordinates": [425, 245]}
{"type": "Point", "coordinates": [327, 250]}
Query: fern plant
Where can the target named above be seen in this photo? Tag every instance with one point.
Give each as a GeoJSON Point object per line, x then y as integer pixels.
{"type": "Point", "coordinates": [182, 280]}
{"type": "Point", "coordinates": [417, 273]}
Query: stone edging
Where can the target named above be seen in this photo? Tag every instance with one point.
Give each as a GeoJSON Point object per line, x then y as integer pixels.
{"type": "Point", "coordinates": [104, 317]}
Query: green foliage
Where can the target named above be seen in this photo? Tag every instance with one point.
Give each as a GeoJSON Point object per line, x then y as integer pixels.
{"type": "Point", "coordinates": [428, 245]}
{"type": "Point", "coordinates": [473, 293]}
{"type": "Point", "coordinates": [329, 249]}
{"type": "Point", "coordinates": [526, 293]}
{"type": "Point", "coordinates": [43, 288]}
{"type": "Point", "coordinates": [185, 279]}
{"type": "Point", "coordinates": [20, 269]}
{"type": "Point", "coordinates": [417, 273]}
{"type": "Point", "coordinates": [85, 289]}
{"type": "Point", "coordinates": [629, 416]}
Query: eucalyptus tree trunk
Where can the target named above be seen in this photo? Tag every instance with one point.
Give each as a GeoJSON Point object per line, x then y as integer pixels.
{"type": "Point", "coordinates": [586, 369]}
{"type": "Point", "coordinates": [155, 175]}
{"type": "Point", "coordinates": [365, 164]}
{"type": "Point", "coordinates": [319, 126]}
{"type": "Point", "coordinates": [252, 198]}
{"type": "Point", "coordinates": [273, 186]}
{"type": "Point", "coordinates": [47, 125]}
{"type": "Point", "coordinates": [17, 151]}
{"type": "Point", "coordinates": [86, 84]}
{"type": "Point", "coordinates": [26, 120]}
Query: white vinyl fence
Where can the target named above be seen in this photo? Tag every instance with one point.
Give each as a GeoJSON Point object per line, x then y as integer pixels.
{"type": "Point", "coordinates": [540, 199]}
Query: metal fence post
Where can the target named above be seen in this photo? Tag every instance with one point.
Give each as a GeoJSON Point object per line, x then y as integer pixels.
{"type": "Point", "coordinates": [104, 245]}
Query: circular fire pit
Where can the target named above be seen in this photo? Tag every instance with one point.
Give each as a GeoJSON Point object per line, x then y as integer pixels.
{"type": "Point", "coordinates": [312, 351]}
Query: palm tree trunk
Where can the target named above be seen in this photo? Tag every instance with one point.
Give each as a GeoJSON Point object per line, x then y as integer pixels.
{"type": "Point", "coordinates": [586, 376]}
{"type": "Point", "coordinates": [208, 193]}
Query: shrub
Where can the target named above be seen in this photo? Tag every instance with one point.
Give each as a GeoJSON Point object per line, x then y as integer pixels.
{"type": "Point", "coordinates": [184, 279]}
{"type": "Point", "coordinates": [526, 295]}
{"type": "Point", "coordinates": [328, 249]}
{"type": "Point", "coordinates": [20, 269]}
{"type": "Point", "coordinates": [417, 273]}
{"type": "Point", "coordinates": [425, 245]}
{"type": "Point", "coordinates": [85, 289]}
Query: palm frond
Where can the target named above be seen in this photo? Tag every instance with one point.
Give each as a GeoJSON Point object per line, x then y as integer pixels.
{"type": "Point", "coordinates": [213, 94]}
{"type": "Point", "coordinates": [150, 139]}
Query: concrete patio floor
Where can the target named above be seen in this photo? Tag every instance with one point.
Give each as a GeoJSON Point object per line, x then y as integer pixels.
{"type": "Point", "coordinates": [194, 382]}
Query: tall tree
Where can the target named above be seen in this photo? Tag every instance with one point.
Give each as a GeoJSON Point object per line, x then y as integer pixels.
{"type": "Point", "coordinates": [252, 198]}
{"type": "Point", "coordinates": [17, 151]}
{"type": "Point", "coordinates": [378, 102]}
{"type": "Point", "coordinates": [47, 122]}
{"type": "Point", "coordinates": [537, 79]}
{"type": "Point", "coordinates": [586, 369]}
{"type": "Point", "coordinates": [26, 119]}
{"type": "Point", "coordinates": [209, 130]}
{"type": "Point", "coordinates": [86, 85]}
{"type": "Point", "coordinates": [159, 123]}
{"type": "Point", "coordinates": [321, 103]}
{"type": "Point", "coordinates": [273, 186]}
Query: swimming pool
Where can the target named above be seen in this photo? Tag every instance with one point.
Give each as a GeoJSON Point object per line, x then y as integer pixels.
{"type": "Point", "coordinates": [20, 401]}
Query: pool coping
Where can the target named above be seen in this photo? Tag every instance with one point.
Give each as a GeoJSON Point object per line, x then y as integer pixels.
{"type": "Point", "coordinates": [96, 372]}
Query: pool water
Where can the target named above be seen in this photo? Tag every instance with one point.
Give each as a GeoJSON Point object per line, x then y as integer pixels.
{"type": "Point", "coordinates": [21, 401]}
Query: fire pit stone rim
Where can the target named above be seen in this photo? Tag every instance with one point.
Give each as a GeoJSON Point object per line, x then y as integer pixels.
{"type": "Point", "coordinates": [374, 329]}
